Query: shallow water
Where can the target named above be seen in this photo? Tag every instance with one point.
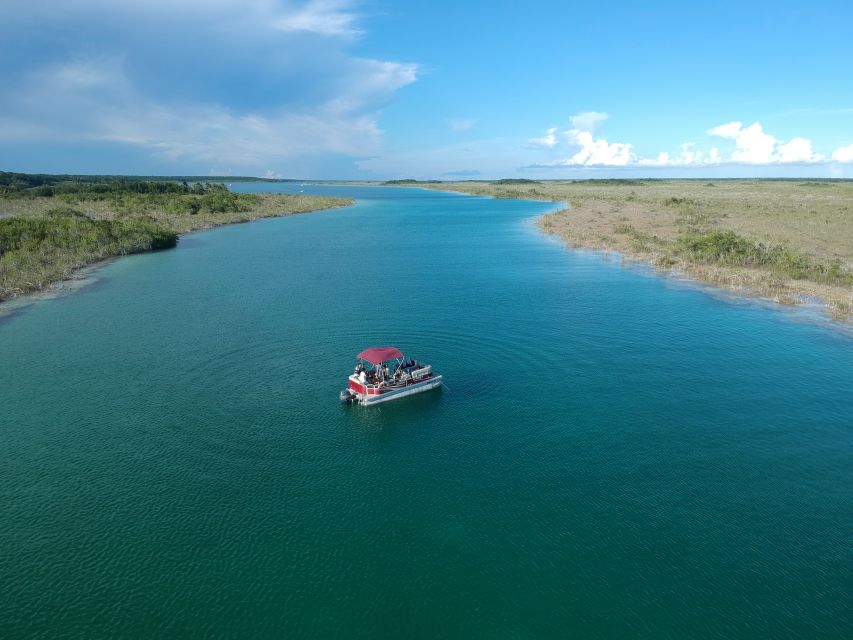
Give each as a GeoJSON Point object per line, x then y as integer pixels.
{"type": "Point", "coordinates": [614, 455]}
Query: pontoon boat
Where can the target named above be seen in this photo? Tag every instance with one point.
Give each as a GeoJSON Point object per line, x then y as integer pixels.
{"type": "Point", "coordinates": [384, 373]}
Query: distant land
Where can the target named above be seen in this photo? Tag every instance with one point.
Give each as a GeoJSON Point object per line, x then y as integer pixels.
{"type": "Point", "coordinates": [11, 180]}
{"type": "Point", "coordinates": [787, 240]}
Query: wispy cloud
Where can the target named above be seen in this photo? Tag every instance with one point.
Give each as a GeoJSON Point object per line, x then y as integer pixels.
{"type": "Point", "coordinates": [326, 17]}
{"type": "Point", "coordinates": [458, 125]}
{"type": "Point", "coordinates": [588, 120]}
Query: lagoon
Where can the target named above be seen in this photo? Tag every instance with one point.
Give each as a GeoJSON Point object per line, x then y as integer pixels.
{"type": "Point", "coordinates": [615, 454]}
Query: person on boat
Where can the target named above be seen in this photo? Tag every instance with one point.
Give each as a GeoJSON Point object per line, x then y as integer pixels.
{"type": "Point", "coordinates": [362, 376]}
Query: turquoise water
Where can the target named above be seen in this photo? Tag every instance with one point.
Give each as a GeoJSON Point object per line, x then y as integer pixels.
{"type": "Point", "coordinates": [615, 455]}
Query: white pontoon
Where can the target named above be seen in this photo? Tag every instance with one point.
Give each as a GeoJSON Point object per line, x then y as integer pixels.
{"type": "Point", "coordinates": [384, 373]}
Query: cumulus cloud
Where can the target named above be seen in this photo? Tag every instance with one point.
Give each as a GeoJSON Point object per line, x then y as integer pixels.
{"type": "Point", "coordinates": [598, 151]}
{"type": "Point", "coordinates": [687, 156]}
{"type": "Point", "coordinates": [585, 122]}
{"type": "Point", "coordinates": [548, 141]}
{"type": "Point", "coordinates": [797, 150]}
{"type": "Point", "coordinates": [843, 154]}
{"type": "Point", "coordinates": [593, 152]}
{"type": "Point", "coordinates": [246, 83]}
{"type": "Point", "coordinates": [729, 130]}
{"type": "Point", "coordinates": [754, 146]}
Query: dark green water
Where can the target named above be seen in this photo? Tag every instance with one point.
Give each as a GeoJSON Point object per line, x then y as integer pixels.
{"type": "Point", "coordinates": [615, 455]}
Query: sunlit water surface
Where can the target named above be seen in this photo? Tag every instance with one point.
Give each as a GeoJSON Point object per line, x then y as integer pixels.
{"type": "Point", "coordinates": [614, 455]}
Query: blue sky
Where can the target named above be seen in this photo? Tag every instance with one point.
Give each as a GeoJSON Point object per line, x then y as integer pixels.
{"type": "Point", "coordinates": [379, 89]}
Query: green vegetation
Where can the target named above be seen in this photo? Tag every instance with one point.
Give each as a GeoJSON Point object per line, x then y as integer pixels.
{"type": "Point", "coordinates": [51, 226]}
{"type": "Point", "coordinates": [11, 182]}
{"type": "Point", "coordinates": [410, 181]}
{"type": "Point", "coordinates": [516, 181]}
{"type": "Point", "coordinates": [787, 240]}
{"type": "Point", "coordinates": [729, 249]}
{"type": "Point", "coordinates": [36, 251]}
{"type": "Point", "coordinates": [127, 195]}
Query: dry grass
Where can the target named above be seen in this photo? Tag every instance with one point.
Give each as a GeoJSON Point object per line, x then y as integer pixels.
{"type": "Point", "coordinates": [807, 223]}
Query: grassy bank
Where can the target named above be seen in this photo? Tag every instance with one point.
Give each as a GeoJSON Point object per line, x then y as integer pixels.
{"type": "Point", "coordinates": [787, 240]}
{"type": "Point", "coordinates": [49, 230]}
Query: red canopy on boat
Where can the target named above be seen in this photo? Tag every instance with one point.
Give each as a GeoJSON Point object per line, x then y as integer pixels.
{"type": "Point", "coordinates": [377, 355]}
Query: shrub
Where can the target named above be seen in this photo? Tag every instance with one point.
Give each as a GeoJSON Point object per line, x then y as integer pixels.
{"type": "Point", "coordinates": [72, 232]}
{"type": "Point", "coordinates": [728, 248]}
{"type": "Point", "coordinates": [724, 247]}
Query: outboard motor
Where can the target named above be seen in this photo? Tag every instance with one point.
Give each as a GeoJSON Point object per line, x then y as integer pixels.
{"type": "Point", "coordinates": [347, 396]}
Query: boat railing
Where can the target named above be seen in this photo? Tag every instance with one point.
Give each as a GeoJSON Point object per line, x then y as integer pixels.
{"type": "Point", "coordinates": [423, 372]}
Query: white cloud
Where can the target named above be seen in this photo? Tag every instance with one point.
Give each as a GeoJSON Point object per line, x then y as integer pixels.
{"type": "Point", "coordinates": [326, 17]}
{"type": "Point", "coordinates": [588, 120]}
{"type": "Point", "coordinates": [843, 154]}
{"type": "Point", "coordinates": [460, 124]}
{"type": "Point", "coordinates": [334, 18]}
{"type": "Point", "coordinates": [662, 160]}
{"type": "Point", "coordinates": [729, 130]}
{"type": "Point", "coordinates": [754, 146]}
{"type": "Point", "coordinates": [598, 152]}
{"type": "Point", "coordinates": [254, 84]}
{"type": "Point", "coordinates": [797, 150]}
{"type": "Point", "coordinates": [210, 133]}
{"type": "Point", "coordinates": [549, 140]}
{"type": "Point", "coordinates": [687, 157]}
{"type": "Point", "coordinates": [86, 73]}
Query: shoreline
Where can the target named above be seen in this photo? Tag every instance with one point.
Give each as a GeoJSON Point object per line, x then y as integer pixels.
{"type": "Point", "coordinates": [807, 311]}
{"type": "Point", "coordinates": [749, 283]}
{"type": "Point", "coordinates": [81, 276]}
{"type": "Point", "coordinates": [80, 279]}
{"type": "Point", "coordinates": [578, 226]}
